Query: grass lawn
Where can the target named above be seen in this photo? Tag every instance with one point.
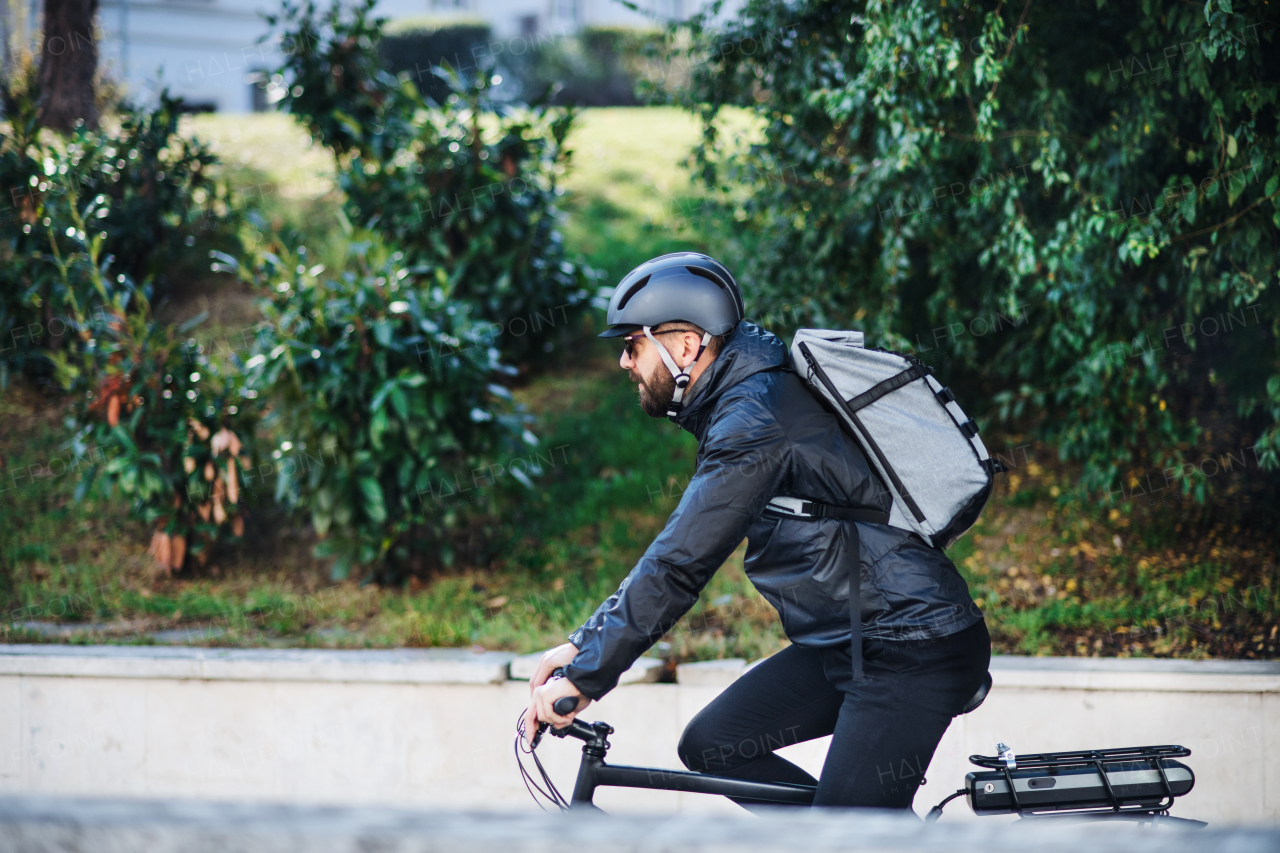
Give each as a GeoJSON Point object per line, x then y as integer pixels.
{"type": "Point", "coordinates": [1054, 576]}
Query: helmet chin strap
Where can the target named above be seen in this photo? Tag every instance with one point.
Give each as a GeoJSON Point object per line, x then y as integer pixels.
{"type": "Point", "coordinates": [680, 374]}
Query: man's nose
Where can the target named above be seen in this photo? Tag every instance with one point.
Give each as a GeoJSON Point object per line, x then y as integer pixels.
{"type": "Point", "coordinates": [624, 361]}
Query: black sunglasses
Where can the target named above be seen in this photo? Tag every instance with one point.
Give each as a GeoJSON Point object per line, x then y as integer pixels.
{"type": "Point", "coordinates": [628, 343]}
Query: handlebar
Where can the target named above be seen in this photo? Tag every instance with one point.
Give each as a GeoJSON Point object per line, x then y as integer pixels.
{"type": "Point", "coordinates": [563, 706]}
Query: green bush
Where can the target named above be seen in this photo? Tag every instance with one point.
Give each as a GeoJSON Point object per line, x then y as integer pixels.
{"type": "Point", "coordinates": [155, 419]}
{"type": "Point", "coordinates": [1069, 208]}
{"type": "Point", "coordinates": [153, 195]}
{"type": "Point", "coordinates": [465, 188]}
{"type": "Point", "coordinates": [381, 388]}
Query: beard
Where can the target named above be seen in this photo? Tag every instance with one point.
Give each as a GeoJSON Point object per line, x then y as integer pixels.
{"type": "Point", "coordinates": [656, 392]}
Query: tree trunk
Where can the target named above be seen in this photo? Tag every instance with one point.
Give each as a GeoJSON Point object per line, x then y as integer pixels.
{"type": "Point", "coordinates": [68, 63]}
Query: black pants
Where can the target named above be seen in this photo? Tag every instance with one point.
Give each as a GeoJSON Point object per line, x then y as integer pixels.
{"type": "Point", "coordinates": [886, 727]}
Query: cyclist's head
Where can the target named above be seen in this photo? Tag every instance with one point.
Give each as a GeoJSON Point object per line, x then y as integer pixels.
{"type": "Point", "coordinates": [692, 302]}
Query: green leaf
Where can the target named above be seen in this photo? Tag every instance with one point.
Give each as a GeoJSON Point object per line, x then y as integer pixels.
{"type": "Point", "coordinates": [381, 396]}
{"type": "Point", "coordinates": [86, 482]}
{"type": "Point", "coordinates": [399, 402]}
{"type": "Point", "coordinates": [377, 426]}
{"type": "Point", "coordinates": [320, 520]}
{"type": "Point", "coordinates": [374, 507]}
{"type": "Point", "coordinates": [348, 122]}
{"type": "Point", "coordinates": [187, 326]}
{"type": "Point", "coordinates": [126, 441]}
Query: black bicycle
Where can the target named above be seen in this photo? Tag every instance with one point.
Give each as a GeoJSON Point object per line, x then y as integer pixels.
{"type": "Point", "coordinates": [1132, 784]}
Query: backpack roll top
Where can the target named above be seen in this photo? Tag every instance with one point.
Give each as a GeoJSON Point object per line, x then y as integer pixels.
{"type": "Point", "coordinates": [914, 433]}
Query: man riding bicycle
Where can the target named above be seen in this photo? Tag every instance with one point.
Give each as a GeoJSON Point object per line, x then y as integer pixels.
{"type": "Point", "coordinates": [762, 437]}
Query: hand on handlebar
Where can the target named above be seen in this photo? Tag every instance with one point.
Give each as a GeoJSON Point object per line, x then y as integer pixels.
{"type": "Point", "coordinates": [557, 658]}
{"type": "Point", "coordinates": [547, 689]}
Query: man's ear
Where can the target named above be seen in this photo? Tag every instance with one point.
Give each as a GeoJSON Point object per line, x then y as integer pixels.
{"type": "Point", "coordinates": [692, 342]}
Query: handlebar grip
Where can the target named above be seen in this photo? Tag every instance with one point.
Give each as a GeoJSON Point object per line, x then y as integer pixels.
{"type": "Point", "coordinates": [565, 705]}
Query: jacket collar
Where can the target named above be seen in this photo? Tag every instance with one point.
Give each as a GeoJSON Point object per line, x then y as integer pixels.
{"type": "Point", "coordinates": [748, 351]}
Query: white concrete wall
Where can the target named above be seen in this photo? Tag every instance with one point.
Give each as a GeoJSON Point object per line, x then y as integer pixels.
{"type": "Point", "coordinates": [435, 729]}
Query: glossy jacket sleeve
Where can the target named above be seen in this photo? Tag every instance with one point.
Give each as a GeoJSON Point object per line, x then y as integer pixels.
{"type": "Point", "coordinates": [742, 466]}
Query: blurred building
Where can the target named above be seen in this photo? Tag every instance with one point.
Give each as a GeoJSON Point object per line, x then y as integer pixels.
{"type": "Point", "coordinates": [211, 53]}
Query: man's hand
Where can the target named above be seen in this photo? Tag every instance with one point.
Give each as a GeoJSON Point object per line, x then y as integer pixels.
{"type": "Point", "coordinates": [550, 662]}
{"type": "Point", "coordinates": [544, 693]}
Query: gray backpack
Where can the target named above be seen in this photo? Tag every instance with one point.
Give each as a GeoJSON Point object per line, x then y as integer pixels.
{"type": "Point", "coordinates": [925, 448]}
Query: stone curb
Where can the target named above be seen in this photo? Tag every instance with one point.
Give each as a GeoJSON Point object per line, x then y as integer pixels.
{"type": "Point", "coordinates": [462, 666]}
{"type": "Point", "coordinates": [412, 666]}
{"type": "Point", "coordinates": [645, 670]}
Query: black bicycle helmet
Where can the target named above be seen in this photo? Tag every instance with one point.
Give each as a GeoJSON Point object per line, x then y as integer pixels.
{"type": "Point", "coordinates": [683, 286]}
{"type": "Point", "coordinates": [686, 286]}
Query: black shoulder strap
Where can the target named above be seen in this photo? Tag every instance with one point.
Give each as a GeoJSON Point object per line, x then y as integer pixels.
{"type": "Point", "coordinates": [853, 553]}
{"type": "Point", "coordinates": [813, 510]}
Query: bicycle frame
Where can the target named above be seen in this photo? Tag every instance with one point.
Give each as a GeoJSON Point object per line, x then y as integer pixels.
{"type": "Point", "coordinates": [595, 773]}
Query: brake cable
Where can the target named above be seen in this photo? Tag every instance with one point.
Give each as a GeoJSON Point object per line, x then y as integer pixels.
{"type": "Point", "coordinates": [551, 794]}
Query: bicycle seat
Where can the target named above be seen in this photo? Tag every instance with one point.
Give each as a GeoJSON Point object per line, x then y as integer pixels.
{"type": "Point", "coordinates": [979, 696]}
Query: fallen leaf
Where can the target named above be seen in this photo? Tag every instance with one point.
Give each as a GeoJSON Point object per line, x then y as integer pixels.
{"type": "Point", "coordinates": [160, 549]}
{"type": "Point", "coordinates": [221, 441]}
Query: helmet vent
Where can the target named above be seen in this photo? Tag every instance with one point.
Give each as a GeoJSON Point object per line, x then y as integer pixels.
{"type": "Point", "coordinates": [720, 283]}
{"type": "Point", "coordinates": [632, 291]}
{"type": "Point", "coordinates": [708, 274]}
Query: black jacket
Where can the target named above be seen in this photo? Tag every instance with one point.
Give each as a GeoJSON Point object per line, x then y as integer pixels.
{"type": "Point", "coordinates": [761, 433]}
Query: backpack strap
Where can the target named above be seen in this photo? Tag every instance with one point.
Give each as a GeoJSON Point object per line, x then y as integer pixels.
{"type": "Point", "coordinates": [888, 386]}
{"type": "Point", "coordinates": [813, 510]}
{"type": "Point", "coordinates": [801, 508]}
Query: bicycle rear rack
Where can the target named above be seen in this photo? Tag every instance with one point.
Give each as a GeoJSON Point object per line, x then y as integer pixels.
{"type": "Point", "coordinates": [1098, 759]}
